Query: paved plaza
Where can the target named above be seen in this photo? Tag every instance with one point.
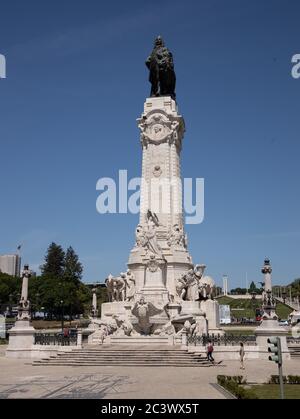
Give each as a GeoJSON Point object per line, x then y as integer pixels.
{"type": "Point", "coordinates": [19, 379]}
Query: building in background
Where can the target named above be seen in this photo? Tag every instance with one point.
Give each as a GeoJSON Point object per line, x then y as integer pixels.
{"type": "Point", "coordinates": [10, 264]}
{"type": "Point", "coordinates": [224, 312]}
{"type": "Point", "coordinates": [225, 284]}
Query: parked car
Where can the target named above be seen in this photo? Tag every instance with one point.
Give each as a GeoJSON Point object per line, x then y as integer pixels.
{"type": "Point", "coordinates": [283, 323]}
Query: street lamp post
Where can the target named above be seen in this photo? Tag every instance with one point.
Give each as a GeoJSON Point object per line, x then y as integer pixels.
{"type": "Point", "coordinates": [10, 304]}
{"type": "Point", "coordinates": [36, 306]}
{"type": "Point", "coordinates": [253, 294]}
{"type": "Point", "coordinates": [62, 315]}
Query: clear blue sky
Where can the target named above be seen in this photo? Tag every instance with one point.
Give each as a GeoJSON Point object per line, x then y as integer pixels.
{"type": "Point", "coordinates": [76, 82]}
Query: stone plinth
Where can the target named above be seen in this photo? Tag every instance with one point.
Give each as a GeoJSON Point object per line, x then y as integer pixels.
{"type": "Point", "coordinates": [191, 307]}
{"type": "Point", "coordinates": [21, 340]}
{"type": "Point", "coordinates": [211, 309]}
{"type": "Point", "coordinates": [109, 309]}
{"type": "Point", "coordinates": [162, 131]}
{"type": "Point", "coordinates": [174, 309]}
{"type": "Point", "coordinates": [270, 328]}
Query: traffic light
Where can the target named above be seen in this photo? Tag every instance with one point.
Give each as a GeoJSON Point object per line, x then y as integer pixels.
{"type": "Point", "coordinates": [275, 349]}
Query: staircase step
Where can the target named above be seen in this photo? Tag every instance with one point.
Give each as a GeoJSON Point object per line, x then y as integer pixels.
{"type": "Point", "coordinates": [149, 357]}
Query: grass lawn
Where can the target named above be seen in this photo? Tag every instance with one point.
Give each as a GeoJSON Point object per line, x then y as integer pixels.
{"type": "Point", "coordinates": [283, 311]}
{"type": "Point", "coordinates": [53, 324]}
{"type": "Point", "coordinates": [246, 308]}
{"type": "Point", "coordinates": [224, 300]}
{"type": "Point", "coordinates": [272, 391]}
{"type": "Point", "coordinates": [56, 324]}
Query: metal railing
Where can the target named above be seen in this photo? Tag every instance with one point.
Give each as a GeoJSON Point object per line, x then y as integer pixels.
{"type": "Point", "coordinates": [57, 339]}
{"type": "Point", "coordinates": [222, 340]}
{"type": "Point", "coordinates": [291, 339]}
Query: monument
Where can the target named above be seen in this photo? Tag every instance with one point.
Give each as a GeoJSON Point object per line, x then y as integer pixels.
{"type": "Point", "coordinates": [162, 288]}
{"type": "Point", "coordinates": [94, 303]}
{"type": "Point", "coordinates": [269, 326]}
{"type": "Point", "coordinates": [21, 336]}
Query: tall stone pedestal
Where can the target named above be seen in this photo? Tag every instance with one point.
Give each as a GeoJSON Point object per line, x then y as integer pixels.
{"type": "Point", "coordinates": [21, 340]}
{"type": "Point", "coordinates": [270, 328]}
{"type": "Point", "coordinates": [160, 272]}
{"type": "Point", "coordinates": [211, 309]}
{"type": "Point", "coordinates": [162, 130]}
{"type": "Point", "coordinates": [154, 289]}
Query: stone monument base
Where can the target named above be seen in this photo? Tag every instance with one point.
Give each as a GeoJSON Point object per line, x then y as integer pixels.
{"type": "Point", "coordinates": [21, 340]}
{"type": "Point", "coordinates": [270, 328]}
{"type": "Point", "coordinates": [109, 309]}
{"type": "Point", "coordinates": [209, 309]}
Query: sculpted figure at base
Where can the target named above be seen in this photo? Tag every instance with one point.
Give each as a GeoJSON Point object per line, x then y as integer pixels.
{"type": "Point", "coordinates": [181, 287]}
{"type": "Point", "coordinates": [206, 285]}
{"type": "Point", "coordinates": [192, 286]}
{"type": "Point", "coordinates": [110, 326]}
{"type": "Point", "coordinates": [143, 311]}
{"type": "Point", "coordinates": [117, 325]}
{"type": "Point", "coordinates": [188, 328]}
{"type": "Point", "coordinates": [177, 238]}
{"type": "Point", "coordinates": [167, 329]}
{"type": "Point", "coordinates": [116, 287]}
{"type": "Point", "coordinates": [130, 285]}
{"type": "Point", "coordinates": [124, 326]}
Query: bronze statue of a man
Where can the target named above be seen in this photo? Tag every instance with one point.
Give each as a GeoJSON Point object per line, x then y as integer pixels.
{"type": "Point", "coordinates": [162, 75]}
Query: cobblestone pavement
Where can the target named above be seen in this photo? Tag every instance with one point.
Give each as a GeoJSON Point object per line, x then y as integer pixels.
{"type": "Point", "coordinates": [19, 379]}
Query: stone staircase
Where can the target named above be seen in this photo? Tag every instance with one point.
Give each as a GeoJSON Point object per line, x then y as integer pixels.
{"type": "Point", "coordinates": [126, 357]}
{"type": "Point", "coordinates": [292, 304]}
{"type": "Point", "coordinates": [294, 352]}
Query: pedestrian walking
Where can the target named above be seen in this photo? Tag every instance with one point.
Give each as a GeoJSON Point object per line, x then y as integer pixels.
{"type": "Point", "coordinates": [209, 351]}
{"type": "Point", "coordinates": [242, 355]}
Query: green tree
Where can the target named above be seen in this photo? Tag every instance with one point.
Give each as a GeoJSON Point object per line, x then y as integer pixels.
{"type": "Point", "coordinates": [238, 291]}
{"type": "Point", "coordinates": [295, 288]}
{"type": "Point", "coordinates": [54, 261]}
{"type": "Point", "coordinates": [252, 287]}
{"type": "Point", "coordinates": [50, 294]}
{"type": "Point", "coordinates": [10, 289]}
{"type": "Point", "coordinates": [72, 267]}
